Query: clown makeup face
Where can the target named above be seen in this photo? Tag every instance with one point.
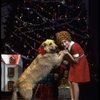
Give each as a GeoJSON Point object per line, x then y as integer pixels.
{"type": "Point", "coordinates": [65, 43]}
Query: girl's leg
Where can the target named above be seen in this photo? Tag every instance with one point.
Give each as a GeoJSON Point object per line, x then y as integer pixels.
{"type": "Point", "coordinates": [72, 91]}
{"type": "Point", "coordinates": [76, 90]}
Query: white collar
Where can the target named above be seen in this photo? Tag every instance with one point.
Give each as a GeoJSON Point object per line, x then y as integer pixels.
{"type": "Point", "coordinates": [72, 42]}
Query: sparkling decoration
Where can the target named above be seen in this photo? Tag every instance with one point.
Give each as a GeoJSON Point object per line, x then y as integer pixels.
{"type": "Point", "coordinates": [33, 21]}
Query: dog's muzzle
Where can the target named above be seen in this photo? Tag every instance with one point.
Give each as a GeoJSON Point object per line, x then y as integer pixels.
{"type": "Point", "coordinates": [54, 49]}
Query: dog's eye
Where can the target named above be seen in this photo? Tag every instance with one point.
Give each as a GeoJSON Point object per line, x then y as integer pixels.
{"type": "Point", "coordinates": [50, 44]}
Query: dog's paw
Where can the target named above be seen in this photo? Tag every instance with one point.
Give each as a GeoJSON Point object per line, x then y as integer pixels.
{"type": "Point", "coordinates": [65, 51]}
{"type": "Point", "coordinates": [61, 52]}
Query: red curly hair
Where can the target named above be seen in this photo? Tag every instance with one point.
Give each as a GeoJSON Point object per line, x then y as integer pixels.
{"type": "Point", "coordinates": [63, 35]}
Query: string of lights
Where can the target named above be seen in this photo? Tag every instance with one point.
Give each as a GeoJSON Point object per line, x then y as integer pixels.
{"type": "Point", "coordinates": [30, 22]}
{"type": "Point", "coordinates": [35, 21]}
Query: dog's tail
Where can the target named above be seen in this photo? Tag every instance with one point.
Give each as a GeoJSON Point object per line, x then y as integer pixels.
{"type": "Point", "coordinates": [15, 89]}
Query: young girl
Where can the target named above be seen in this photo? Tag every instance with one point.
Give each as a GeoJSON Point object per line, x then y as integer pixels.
{"type": "Point", "coordinates": [79, 68]}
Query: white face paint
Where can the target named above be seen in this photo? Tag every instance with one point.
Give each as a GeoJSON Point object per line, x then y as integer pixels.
{"type": "Point", "coordinates": [65, 43]}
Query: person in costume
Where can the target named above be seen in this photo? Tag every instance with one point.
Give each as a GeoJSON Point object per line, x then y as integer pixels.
{"type": "Point", "coordinates": [79, 67]}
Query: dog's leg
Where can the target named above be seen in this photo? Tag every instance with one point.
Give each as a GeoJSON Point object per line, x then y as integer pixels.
{"type": "Point", "coordinates": [25, 89]}
{"type": "Point", "coordinates": [14, 95]}
{"type": "Point", "coordinates": [60, 58]}
{"type": "Point", "coordinates": [15, 88]}
{"type": "Point", "coordinates": [27, 94]}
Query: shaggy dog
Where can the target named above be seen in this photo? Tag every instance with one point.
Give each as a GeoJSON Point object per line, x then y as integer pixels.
{"type": "Point", "coordinates": [38, 69]}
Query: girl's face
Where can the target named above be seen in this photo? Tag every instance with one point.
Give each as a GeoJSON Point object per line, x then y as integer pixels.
{"type": "Point", "coordinates": [65, 43]}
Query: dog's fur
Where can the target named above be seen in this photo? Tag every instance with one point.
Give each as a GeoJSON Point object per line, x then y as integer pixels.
{"type": "Point", "coordinates": [37, 70]}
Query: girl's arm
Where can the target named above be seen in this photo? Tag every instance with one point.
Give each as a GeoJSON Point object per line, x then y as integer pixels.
{"type": "Point", "coordinates": [74, 59]}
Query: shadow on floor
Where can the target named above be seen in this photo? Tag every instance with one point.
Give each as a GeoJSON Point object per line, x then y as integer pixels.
{"type": "Point", "coordinates": [89, 91]}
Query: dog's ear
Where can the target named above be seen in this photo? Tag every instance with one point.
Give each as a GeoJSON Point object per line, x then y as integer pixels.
{"type": "Point", "coordinates": [43, 45]}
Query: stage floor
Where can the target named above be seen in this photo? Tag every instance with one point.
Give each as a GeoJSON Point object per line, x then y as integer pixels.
{"type": "Point", "coordinates": [88, 91]}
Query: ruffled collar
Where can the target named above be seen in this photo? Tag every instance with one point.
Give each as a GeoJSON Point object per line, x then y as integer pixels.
{"type": "Point", "coordinates": [70, 45]}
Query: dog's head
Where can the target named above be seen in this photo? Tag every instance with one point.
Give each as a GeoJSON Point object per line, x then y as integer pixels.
{"type": "Point", "coordinates": [49, 46]}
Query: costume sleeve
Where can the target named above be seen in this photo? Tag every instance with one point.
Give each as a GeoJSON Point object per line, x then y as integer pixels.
{"type": "Point", "coordinates": [75, 50]}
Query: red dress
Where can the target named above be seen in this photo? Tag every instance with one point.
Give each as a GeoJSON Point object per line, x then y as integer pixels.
{"type": "Point", "coordinates": [78, 72]}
